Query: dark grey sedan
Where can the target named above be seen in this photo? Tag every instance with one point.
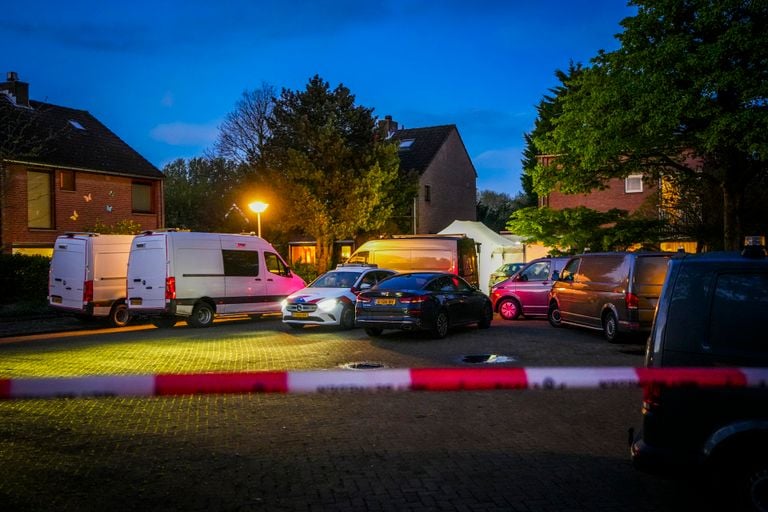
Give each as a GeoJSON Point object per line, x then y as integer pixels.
{"type": "Point", "coordinates": [428, 301]}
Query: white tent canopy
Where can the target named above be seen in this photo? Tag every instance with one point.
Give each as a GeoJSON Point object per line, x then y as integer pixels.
{"type": "Point", "coordinates": [494, 249]}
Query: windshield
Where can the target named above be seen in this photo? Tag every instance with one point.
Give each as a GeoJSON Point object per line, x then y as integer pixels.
{"type": "Point", "coordinates": [335, 280]}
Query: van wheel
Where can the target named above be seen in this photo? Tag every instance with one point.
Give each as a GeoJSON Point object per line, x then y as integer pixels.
{"type": "Point", "coordinates": [202, 315]}
{"type": "Point", "coordinates": [347, 320]}
{"type": "Point", "coordinates": [553, 315]}
{"type": "Point", "coordinates": [119, 316]}
{"type": "Point", "coordinates": [373, 331]}
{"type": "Point", "coordinates": [485, 321]}
{"type": "Point", "coordinates": [509, 309]}
{"type": "Point", "coordinates": [610, 327]}
{"type": "Point", "coordinates": [163, 322]}
{"type": "Point", "coordinates": [440, 329]}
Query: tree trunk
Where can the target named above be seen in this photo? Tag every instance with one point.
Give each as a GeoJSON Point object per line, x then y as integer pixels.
{"type": "Point", "coordinates": [324, 253]}
{"type": "Point", "coordinates": [731, 219]}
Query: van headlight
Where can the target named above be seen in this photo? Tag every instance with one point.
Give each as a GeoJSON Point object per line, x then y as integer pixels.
{"type": "Point", "coordinates": [327, 305]}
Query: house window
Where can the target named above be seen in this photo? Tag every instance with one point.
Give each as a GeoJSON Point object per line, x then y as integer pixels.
{"type": "Point", "coordinates": [67, 180]}
{"type": "Point", "coordinates": [39, 200]}
{"type": "Point", "coordinates": [633, 183]}
{"type": "Point", "coordinates": [427, 193]}
{"type": "Point", "coordinates": [406, 143]}
{"type": "Point", "coordinates": [141, 197]}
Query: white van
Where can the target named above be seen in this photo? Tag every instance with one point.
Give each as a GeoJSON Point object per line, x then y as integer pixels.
{"type": "Point", "coordinates": [456, 254]}
{"type": "Point", "coordinates": [87, 276]}
{"type": "Point", "coordinates": [175, 274]}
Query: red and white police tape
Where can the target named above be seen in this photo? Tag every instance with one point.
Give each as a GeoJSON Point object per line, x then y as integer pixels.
{"type": "Point", "coordinates": [415, 379]}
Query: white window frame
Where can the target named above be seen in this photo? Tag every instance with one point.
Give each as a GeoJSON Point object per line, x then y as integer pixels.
{"type": "Point", "coordinates": [630, 184]}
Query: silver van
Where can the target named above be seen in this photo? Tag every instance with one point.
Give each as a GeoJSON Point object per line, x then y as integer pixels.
{"type": "Point", "coordinates": [615, 292]}
{"type": "Point", "coordinates": [527, 291]}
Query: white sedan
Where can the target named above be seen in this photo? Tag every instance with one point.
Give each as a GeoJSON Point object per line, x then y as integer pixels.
{"type": "Point", "coordinates": [330, 299]}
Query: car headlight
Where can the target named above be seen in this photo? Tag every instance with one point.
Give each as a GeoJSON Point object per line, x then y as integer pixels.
{"type": "Point", "coordinates": [327, 305]}
{"type": "Point", "coordinates": [283, 303]}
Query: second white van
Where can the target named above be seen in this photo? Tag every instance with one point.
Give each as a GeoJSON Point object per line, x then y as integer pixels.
{"type": "Point", "coordinates": [198, 276]}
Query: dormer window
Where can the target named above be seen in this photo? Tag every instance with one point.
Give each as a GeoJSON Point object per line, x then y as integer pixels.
{"type": "Point", "coordinates": [406, 143]}
{"type": "Point", "coordinates": [77, 125]}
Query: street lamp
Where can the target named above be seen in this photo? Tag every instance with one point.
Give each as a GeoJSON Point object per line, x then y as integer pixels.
{"type": "Point", "coordinates": [258, 207]}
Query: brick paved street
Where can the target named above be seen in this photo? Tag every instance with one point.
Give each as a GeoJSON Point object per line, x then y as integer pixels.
{"type": "Point", "coordinates": [505, 450]}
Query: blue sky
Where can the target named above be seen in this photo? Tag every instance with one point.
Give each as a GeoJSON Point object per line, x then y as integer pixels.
{"type": "Point", "coordinates": [162, 75]}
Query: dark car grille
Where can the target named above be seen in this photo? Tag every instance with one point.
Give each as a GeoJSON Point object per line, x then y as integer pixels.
{"type": "Point", "coordinates": [307, 308]}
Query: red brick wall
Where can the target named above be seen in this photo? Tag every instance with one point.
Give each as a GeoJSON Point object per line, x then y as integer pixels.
{"type": "Point", "coordinates": [603, 200]}
{"type": "Point", "coordinates": [92, 195]}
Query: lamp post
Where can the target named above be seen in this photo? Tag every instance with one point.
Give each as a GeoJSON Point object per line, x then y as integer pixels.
{"type": "Point", "coordinates": [258, 207]}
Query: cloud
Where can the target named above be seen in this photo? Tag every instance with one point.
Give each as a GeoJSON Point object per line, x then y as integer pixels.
{"type": "Point", "coordinates": [185, 134]}
{"type": "Point", "coordinates": [505, 159]}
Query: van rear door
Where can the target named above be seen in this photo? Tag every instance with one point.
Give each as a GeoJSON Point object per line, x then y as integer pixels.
{"type": "Point", "coordinates": [68, 273]}
{"type": "Point", "coordinates": [147, 270]}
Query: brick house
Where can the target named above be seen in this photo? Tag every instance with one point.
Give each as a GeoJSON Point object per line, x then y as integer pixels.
{"type": "Point", "coordinates": [632, 194]}
{"type": "Point", "coordinates": [447, 184]}
{"type": "Point", "coordinates": [447, 177]}
{"type": "Point", "coordinates": [62, 170]}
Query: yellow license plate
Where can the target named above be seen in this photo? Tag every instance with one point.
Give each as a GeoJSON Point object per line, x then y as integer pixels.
{"type": "Point", "coordinates": [300, 315]}
{"type": "Point", "coordinates": [385, 302]}
{"type": "Point", "coordinates": [56, 299]}
{"type": "Point", "coordinates": [135, 302]}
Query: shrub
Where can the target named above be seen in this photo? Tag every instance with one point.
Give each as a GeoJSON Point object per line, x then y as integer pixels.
{"type": "Point", "coordinates": [24, 278]}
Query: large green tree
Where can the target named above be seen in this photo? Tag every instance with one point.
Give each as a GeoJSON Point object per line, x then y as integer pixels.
{"type": "Point", "coordinates": [334, 176]}
{"type": "Point", "coordinates": [200, 192]}
{"type": "Point", "coordinates": [685, 96]}
{"type": "Point", "coordinates": [494, 208]}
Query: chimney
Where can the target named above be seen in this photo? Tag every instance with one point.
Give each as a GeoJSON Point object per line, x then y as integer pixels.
{"type": "Point", "coordinates": [19, 90]}
{"type": "Point", "coordinates": [388, 126]}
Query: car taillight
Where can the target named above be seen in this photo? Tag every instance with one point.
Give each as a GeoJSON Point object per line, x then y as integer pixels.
{"type": "Point", "coordinates": [651, 396]}
{"type": "Point", "coordinates": [416, 299]}
{"type": "Point", "coordinates": [364, 299]}
{"type": "Point", "coordinates": [170, 288]}
{"type": "Point", "coordinates": [632, 301]}
{"type": "Point", "coordinates": [87, 292]}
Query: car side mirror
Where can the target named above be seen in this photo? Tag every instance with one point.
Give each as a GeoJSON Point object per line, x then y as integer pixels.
{"type": "Point", "coordinates": [555, 275]}
{"type": "Point", "coordinates": [521, 277]}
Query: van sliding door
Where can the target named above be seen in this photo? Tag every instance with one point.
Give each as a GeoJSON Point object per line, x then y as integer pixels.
{"type": "Point", "coordinates": [245, 283]}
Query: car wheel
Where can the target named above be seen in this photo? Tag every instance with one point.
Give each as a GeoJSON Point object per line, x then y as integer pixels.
{"type": "Point", "coordinates": [553, 315]}
{"type": "Point", "coordinates": [610, 327]}
{"type": "Point", "coordinates": [485, 321]}
{"type": "Point", "coordinates": [440, 329]}
{"type": "Point", "coordinates": [202, 315]}
{"type": "Point", "coordinates": [119, 316]}
{"type": "Point", "coordinates": [509, 309]}
{"type": "Point", "coordinates": [347, 319]}
{"type": "Point", "coordinates": [373, 331]}
{"type": "Point", "coordinates": [297, 327]}
{"type": "Point", "coordinates": [163, 322]}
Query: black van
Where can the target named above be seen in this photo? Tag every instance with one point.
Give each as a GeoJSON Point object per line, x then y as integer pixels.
{"type": "Point", "coordinates": [615, 292]}
{"type": "Point", "coordinates": [711, 314]}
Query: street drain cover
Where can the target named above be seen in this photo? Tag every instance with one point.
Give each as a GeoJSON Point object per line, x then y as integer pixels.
{"type": "Point", "coordinates": [363, 365]}
{"type": "Point", "coordinates": [487, 359]}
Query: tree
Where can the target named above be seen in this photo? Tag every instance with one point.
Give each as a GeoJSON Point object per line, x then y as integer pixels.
{"type": "Point", "coordinates": [547, 111]}
{"type": "Point", "coordinates": [200, 192]}
{"type": "Point", "coordinates": [575, 230]}
{"type": "Point", "coordinates": [494, 208]}
{"type": "Point", "coordinates": [685, 96]}
{"type": "Point", "coordinates": [245, 130]}
{"type": "Point", "coordinates": [333, 174]}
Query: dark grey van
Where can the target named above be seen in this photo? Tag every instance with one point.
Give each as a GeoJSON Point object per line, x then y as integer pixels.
{"type": "Point", "coordinates": [615, 292]}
